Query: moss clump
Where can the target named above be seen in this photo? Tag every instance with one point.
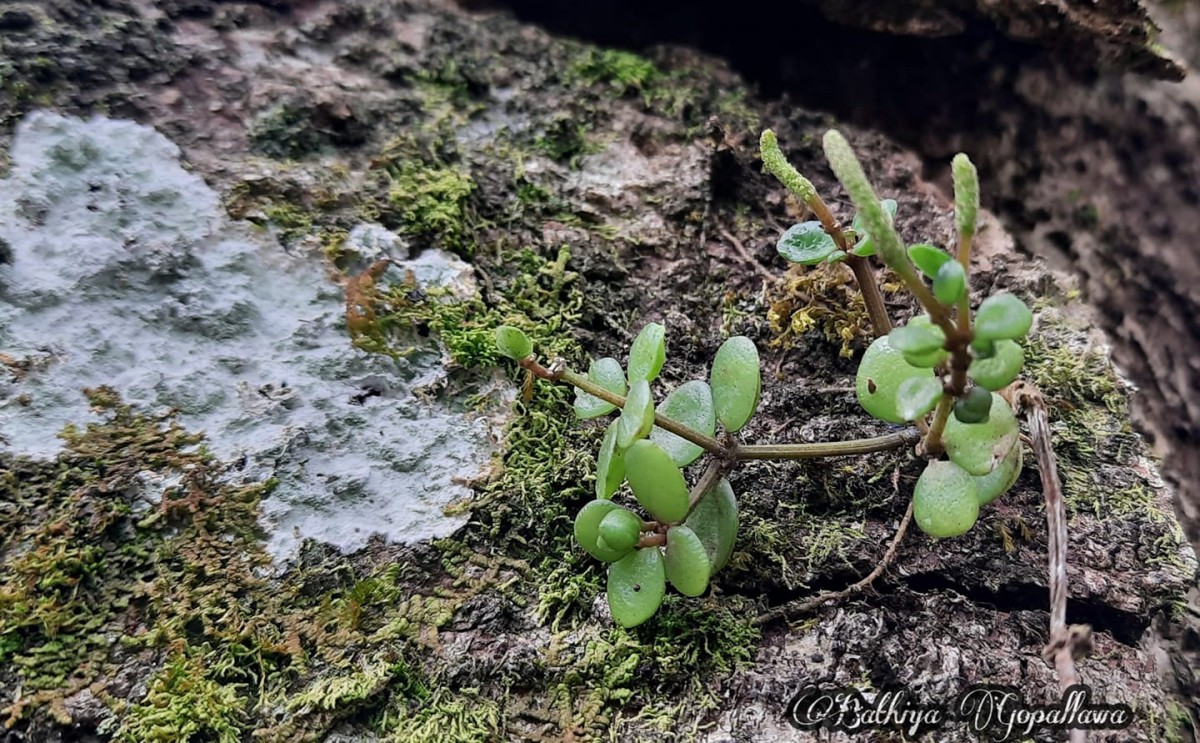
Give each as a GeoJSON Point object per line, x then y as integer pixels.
{"type": "Point", "coordinates": [184, 704]}
{"type": "Point", "coordinates": [622, 72]}
{"type": "Point", "coordinates": [292, 222]}
{"type": "Point", "coordinates": [823, 298]}
{"type": "Point", "coordinates": [286, 132]}
{"type": "Point", "coordinates": [430, 203]}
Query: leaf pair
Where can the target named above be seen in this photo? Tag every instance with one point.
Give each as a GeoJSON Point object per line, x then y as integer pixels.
{"type": "Point", "coordinates": [808, 243]}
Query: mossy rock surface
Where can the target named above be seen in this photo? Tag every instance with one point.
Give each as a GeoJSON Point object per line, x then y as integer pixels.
{"type": "Point", "coordinates": [590, 190]}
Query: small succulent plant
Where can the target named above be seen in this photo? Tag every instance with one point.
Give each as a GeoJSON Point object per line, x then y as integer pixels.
{"type": "Point", "coordinates": [940, 371]}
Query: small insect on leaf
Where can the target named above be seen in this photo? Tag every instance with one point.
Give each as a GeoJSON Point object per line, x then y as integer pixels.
{"type": "Point", "coordinates": [648, 352]}
{"type": "Point", "coordinates": [587, 530]}
{"type": "Point", "coordinates": [607, 373]}
{"type": "Point", "coordinates": [928, 258]}
{"type": "Point", "coordinates": [636, 586]}
{"type": "Point", "coordinates": [950, 283]}
{"type": "Point", "coordinates": [692, 405]}
{"type": "Point", "coordinates": [715, 521]}
{"type": "Point", "coordinates": [917, 339]}
{"type": "Point", "coordinates": [688, 566]}
{"type": "Point", "coordinates": [917, 396]}
{"type": "Point", "coordinates": [736, 382]}
{"type": "Point", "coordinates": [865, 246]}
{"type": "Point", "coordinates": [610, 463]}
{"type": "Point", "coordinates": [1002, 317]}
{"type": "Point", "coordinates": [513, 343]}
{"type": "Point", "coordinates": [1001, 368]}
{"type": "Point", "coordinates": [637, 418]}
{"type": "Point", "coordinates": [806, 243]}
{"type": "Point", "coordinates": [656, 481]}
{"type": "Point", "coordinates": [945, 500]}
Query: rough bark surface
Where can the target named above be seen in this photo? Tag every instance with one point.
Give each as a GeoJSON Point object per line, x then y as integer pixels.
{"type": "Point", "coordinates": [593, 191]}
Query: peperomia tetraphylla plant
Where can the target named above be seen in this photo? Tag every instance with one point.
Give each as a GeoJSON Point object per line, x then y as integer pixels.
{"type": "Point", "coordinates": [940, 371]}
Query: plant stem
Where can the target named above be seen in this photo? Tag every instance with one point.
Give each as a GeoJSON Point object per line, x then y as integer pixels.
{"type": "Point", "coordinates": [713, 473]}
{"type": "Point", "coordinates": [933, 445]}
{"type": "Point", "coordinates": [964, 302]}
{"type": "Point", "coordinates": [907, 437]}
{"type": "Point", "coordinates": [708, 443]}
{"type": "Point", "coordinates": [871, 295]}
{"type": "Point", "coordinates": [897, 440]}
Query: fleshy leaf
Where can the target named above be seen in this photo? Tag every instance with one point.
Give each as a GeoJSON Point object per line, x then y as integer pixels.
{"type": "Point", "coordinates": [513, 343]}
{"type": "Point", "coordinates": [806, 243]}
{"type": "Point", "coordinates": [607, 373]}
{"type": "Point", "coordinates": [997, 482]}
{"type": "Point", "coordinates": [928, 359]}
{"type": "Point", "coordinates": [950, 283]}
{"type": "Point", "coordinates": [620, 529]}
{"type": "Point", "coordinates": [917, 396]}
{"type": "Point", "coordinates": [882, 370]}
{"type": "Point", "coordinates": [979, 447]}
{"type": "Point", "coordinates": [636, 586]}
{"type": "Point", "coordinates": [637, 418]}
{"type": "Point", "coordinates": [973, 407]}
{"type": "Point", "coordinates": [928, 258]}
{"type": "Point", "coordinates": [610, 463]}
{"type": "Point", "coordinates": [945, 500]}
{"type": "Point", "coordinates": [736, 382]}
{"type": "Point", "coordinates": [1001, 368]}
{"type": "Point", "coordinates": [688, 567]}
{"type": "Point", "coordinates": [836, 256]}
{"type": "Point", "coordinates": [1001, 317]}
{"type": "Point", "coordinates": [715, 521]}
{"type": "Point", "coordinates": [917, 339]}
{"type": "Point", "coordinates": [648, 352]}
{"type": "Point", "coordinates": [692, 405]}
{"type": "Point", "coordinates": [587, 530]}
{"type": "Point", "coordinates": [656, 481]}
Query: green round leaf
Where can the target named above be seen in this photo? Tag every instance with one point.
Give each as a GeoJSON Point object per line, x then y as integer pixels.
{"type": "Point", "coordinates": [636, 586]}
{"type": "Point", "coordinates": [917, 396]}
{"type": "Point", "coordinates": [999, 480]}
{"type": "Point", "coordinates": [620, 529]}
{"type": "Point", "coordinates": [656, 481]}
{"type": "Point", "coordinates": [736, 382]}
{"type": "Point", "coordinates": [928, 258]}
{"type": "Point", "coordinates": [637, 417]}
{"type": "Point", "coordinates": [928, 359]}
{"type": "Point", "coordinates": [950, 283]}
{"type": "Point", "coordinates": [880, 374]}
{"type": "Point", "coordinates": [979, 447]}
{"type": "Point", "coordinates": [607, 373]}
{"type": "Point", "coordinates": [587, 530]}
{"type": "Point", "coordinates": [1001, 368]}
{"type": "Point", "coordinates": [648, 352]}
{"type": "Point", "coordinates": [807, 244]}
{"type": "Point", "coordinates": [513, 343]}
{"type": "Point", "coordinates": [835, 256]}
{"type": "Point", "coordinates": [945, 500]}
{"type": "Point", "coordinates": [610, 463]}
{"type": "Point", "coordinates": [865, 245]}
{"type": "Point", "coordinates": [687, 563]}
{"type": "Point", "coordinates": [691, 404]}
{"type": "Point", "coordinates": [1002, 316]}
{"type": "Point", "coordinates": [917, 339]}
{"type": "Point", "coordinates": [983, 349]}
{"type": "Point", "coordinates": [715, 521]}
{"type": "Point", "coordinates": [974, 407]}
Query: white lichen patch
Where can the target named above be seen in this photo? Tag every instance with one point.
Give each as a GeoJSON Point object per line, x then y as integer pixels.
{"type": "Point", "coordinates": [123, 271]}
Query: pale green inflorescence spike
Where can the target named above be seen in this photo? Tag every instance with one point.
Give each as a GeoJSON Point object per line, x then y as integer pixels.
{"type": "Point", "coordinates": [849, 171]}
{"type": "Point", "coordinates": [778, 166]}
{"type": "Point", "coordinates": [966, 194]}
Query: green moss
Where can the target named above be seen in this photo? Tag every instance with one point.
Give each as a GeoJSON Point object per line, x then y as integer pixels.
{"type": "Point", "coordinates": [184, 705]}
{"type": "Point", "coordinates": [622, 72]}
{"type": "Point", "coordinates": [291, 221]}
{"type": "Point", "coordinates": [430, 203]}
{"type": "Point", "coordinates": [565, 141]}
{"type": "Point", "coordinates": [286, 132]}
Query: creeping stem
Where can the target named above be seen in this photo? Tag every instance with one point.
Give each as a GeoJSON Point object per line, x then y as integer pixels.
{"type": "Point", "coordinates": [559, 373]}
